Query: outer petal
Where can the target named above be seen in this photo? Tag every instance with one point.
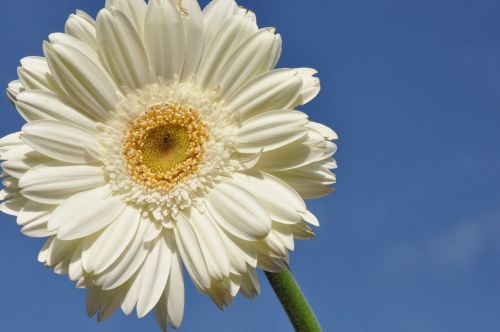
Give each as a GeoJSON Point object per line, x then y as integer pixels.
{"type": "Point", "coordinates": [255, 56]}
{"type": "Point", "coordinates": [218, 50]}
{"type": "Point", "coordinates": [294, 155]}
{"type": "Point", "coordinates": [45, 105]}
{"type": "Point", "coordinates": [135, 10]}
{"type": "Point", "coordinates": [155, 272]}
{"type": "Point", "coordinates": [82, 27]}
{"type": "Point", "coordinates": [54, 182]}
{"type": "Point", "coordinates": [122, 50]}
{"type": "Point", "coordinates": [271, 130]}
{"type": "Point", "coordinates": [211, 244]}
{"type": "Point", "coordinates": [113, 241]}
{"type": "Point", "coordinates": [165, 39]}
{"type": "Point", "coordinates": [216, 13]}
{"type": "Point", "coordinates": [13, 89]}
{"type": "Point", "coordinates": [191, 252]}
{"type": "Point", "coordinates": [238, 212]}
{"type": "Point", "coordinates": [85, 213]}
{"type": "Point", "coordinates": [62, 141]}
{"type": "Point", "coordinates": [282, 202]}
{"type": "Point", "coordinates": [274, 90]}
{"type": "Point", "coordinates": [194, 29]}
{"type": "Point", "coordinates": [35, 74]}
{"type": "Point", "coordinates": [126, 266]}
{"type": "Point", "coordinates": [86, 83]}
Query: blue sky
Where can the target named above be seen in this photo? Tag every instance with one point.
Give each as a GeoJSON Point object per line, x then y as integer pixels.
{"type": "Point", "coordinates": [410, 240]}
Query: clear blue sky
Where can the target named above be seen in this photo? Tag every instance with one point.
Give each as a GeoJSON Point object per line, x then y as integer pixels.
{"type": "Point", "coordinates": [410, 241]}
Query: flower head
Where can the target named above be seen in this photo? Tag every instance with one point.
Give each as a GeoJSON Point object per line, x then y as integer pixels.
{"type": "Point", "coordinates": [160, 136]}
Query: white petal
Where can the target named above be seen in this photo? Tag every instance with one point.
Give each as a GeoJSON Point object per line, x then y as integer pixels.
{"type": "Point", "coordinates": [37, 227]}
{"type": "Point", "coordinates": [35, 74]}
{"type": "Point", "coordinates": [194, 29]}
{"type": "Point", "coordinates": [238, 212]}
{"type": "Point", "coordinates": [86, 83]}
{"type": "Point", "coordinates": [281, 201]}
{"type": "Point", "coordinates": [75, 271]}
{"type": "Point", "coordinates": [175, 292]}
{"type": "Point", "coordinates": [310, 181]}
{"type": "Point", "coordinates": [62, 141]}
{"type": "Point", "coordinates": [13, 206]}
{"type": "Point", "coordinates": [82, 27]}
{"type": "Point", "coordinates": [216, 13]}
{"type": "Point", "coordinates": [241, 253]}
{"type": "Point", "coordinates": [327, 133]}
{"type": "Point", "coordinates": [16, 166]}
{"type": "Point", "coordinates": [128, 263]}
{"type": "Point", "coordinates": [294, 155]}
{"type": "Point", "coordinates": [164, 38]}
{"type": "Point", "coordinates": [191, 252]}
{"type": "Point", "coordinates": [274, 90]}
{"type": "Point", "coordinates": [310, 218]}
{"type": "Point", "coordinates": [13, 89]}
{"type": "Point", "coordinates": [61, 251]}
{"type": "Point", "coordinates": [32, 211]}
{"type": "Point", "coordinates": [250, 285]}
{"type": "Point", "coordinates": [270, 130]}
{"type": "Point", "coordinates": [156, 269]}
{"type": "Point", "coordinates": [211, 244]}
{"type": "Point", "coordinates": [113, 241]}
{"type": "Point", "coordinates": [122, 50]}
{"type": "Point", "coordinates": [45, 105]}
{"type": "Point", "coordinates": [311, 86]}
{"type": "Point", "coordinates": [85, 213]}
{"type": "Point", "coordinates": [9, 142]}
{"type": "Point", "coordinates": [218, 51]}
{"type": "Point", "coordinates": [253, 58]}
{"type": "Point", "coordinates": [135, 10]}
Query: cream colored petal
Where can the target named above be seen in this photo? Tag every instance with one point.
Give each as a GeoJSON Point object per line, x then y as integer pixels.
{"type": "Point", "coordinates": [216, 13]}
{"type": "Point", "coordinates": [156, 270]}
{"type": "Point", "coordinates": [127, 264]}
{"type": "Point", "coordinates": [194, 29]}
{"type": "Point", "coordinates": [45, 105]}
{"type": "Point", "coordinates": [165, 39]}
{"type": "Point", "coordinates": [281, 201]}
{"type": "Point", "coordinates": [211, 244]}
{"type": "Point", "coordinates": [294, 155]}
{"type": "Point", "coordinates": [254, 57]}
{"type": "Point", "coordinates": [34, 74]}
{"type": "Point", "coordinates": [62, 141]}
{"type": "Point", "coordinates": [175, 291]}
{"type": "Point", "coordinates": [191, 252]}
{"type": "Point", "coordinates": [82, 27]}
{"type": "Point", "coordinates": [135, 10]}
{"type": "Point", "coordinates": [85, 213]}
{"type": "Point", "coordinates": [122, 50]}
{"type": "Point", "coordinates": [113, 241]}
{"type": "Point", "coordinates": [54, 182]}
{"type": "Point", "coordinates": [238, 211]}
{"type": "Point", "coordinates": [218, 51]}
{"type": "Point", "coordinates": [13, 89]}
{"type": "Point", "coordinates": [86, 83]}
{"type": "Point", "coordinates": [270, 130]}
{"type": "Point", "coordinates": [274, 90]}
{"type": "Point", "coordinates": [16, 166]}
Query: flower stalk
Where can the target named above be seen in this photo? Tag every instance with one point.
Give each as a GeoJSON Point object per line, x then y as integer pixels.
{"type": "Point", "coordinates": [293, 301]}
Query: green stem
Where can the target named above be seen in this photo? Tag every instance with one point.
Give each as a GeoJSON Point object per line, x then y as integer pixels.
{"type": "Point", "coordinates": [293, 301]}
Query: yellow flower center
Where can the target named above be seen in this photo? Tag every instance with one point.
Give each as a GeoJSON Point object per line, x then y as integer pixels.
{"type": "Point", "coordinates": [164, 145]}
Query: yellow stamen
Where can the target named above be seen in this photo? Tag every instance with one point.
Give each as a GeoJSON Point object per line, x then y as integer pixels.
{"type": "Point", "coordinates": [164, 145]}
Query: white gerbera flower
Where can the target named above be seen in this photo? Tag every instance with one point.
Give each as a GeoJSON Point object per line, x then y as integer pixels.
{"type": "Point", "coordinates": [158, 136]}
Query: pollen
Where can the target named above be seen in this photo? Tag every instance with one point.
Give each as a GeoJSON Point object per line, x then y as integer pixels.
{"type": "Point", "coordinates": [164, 145]}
